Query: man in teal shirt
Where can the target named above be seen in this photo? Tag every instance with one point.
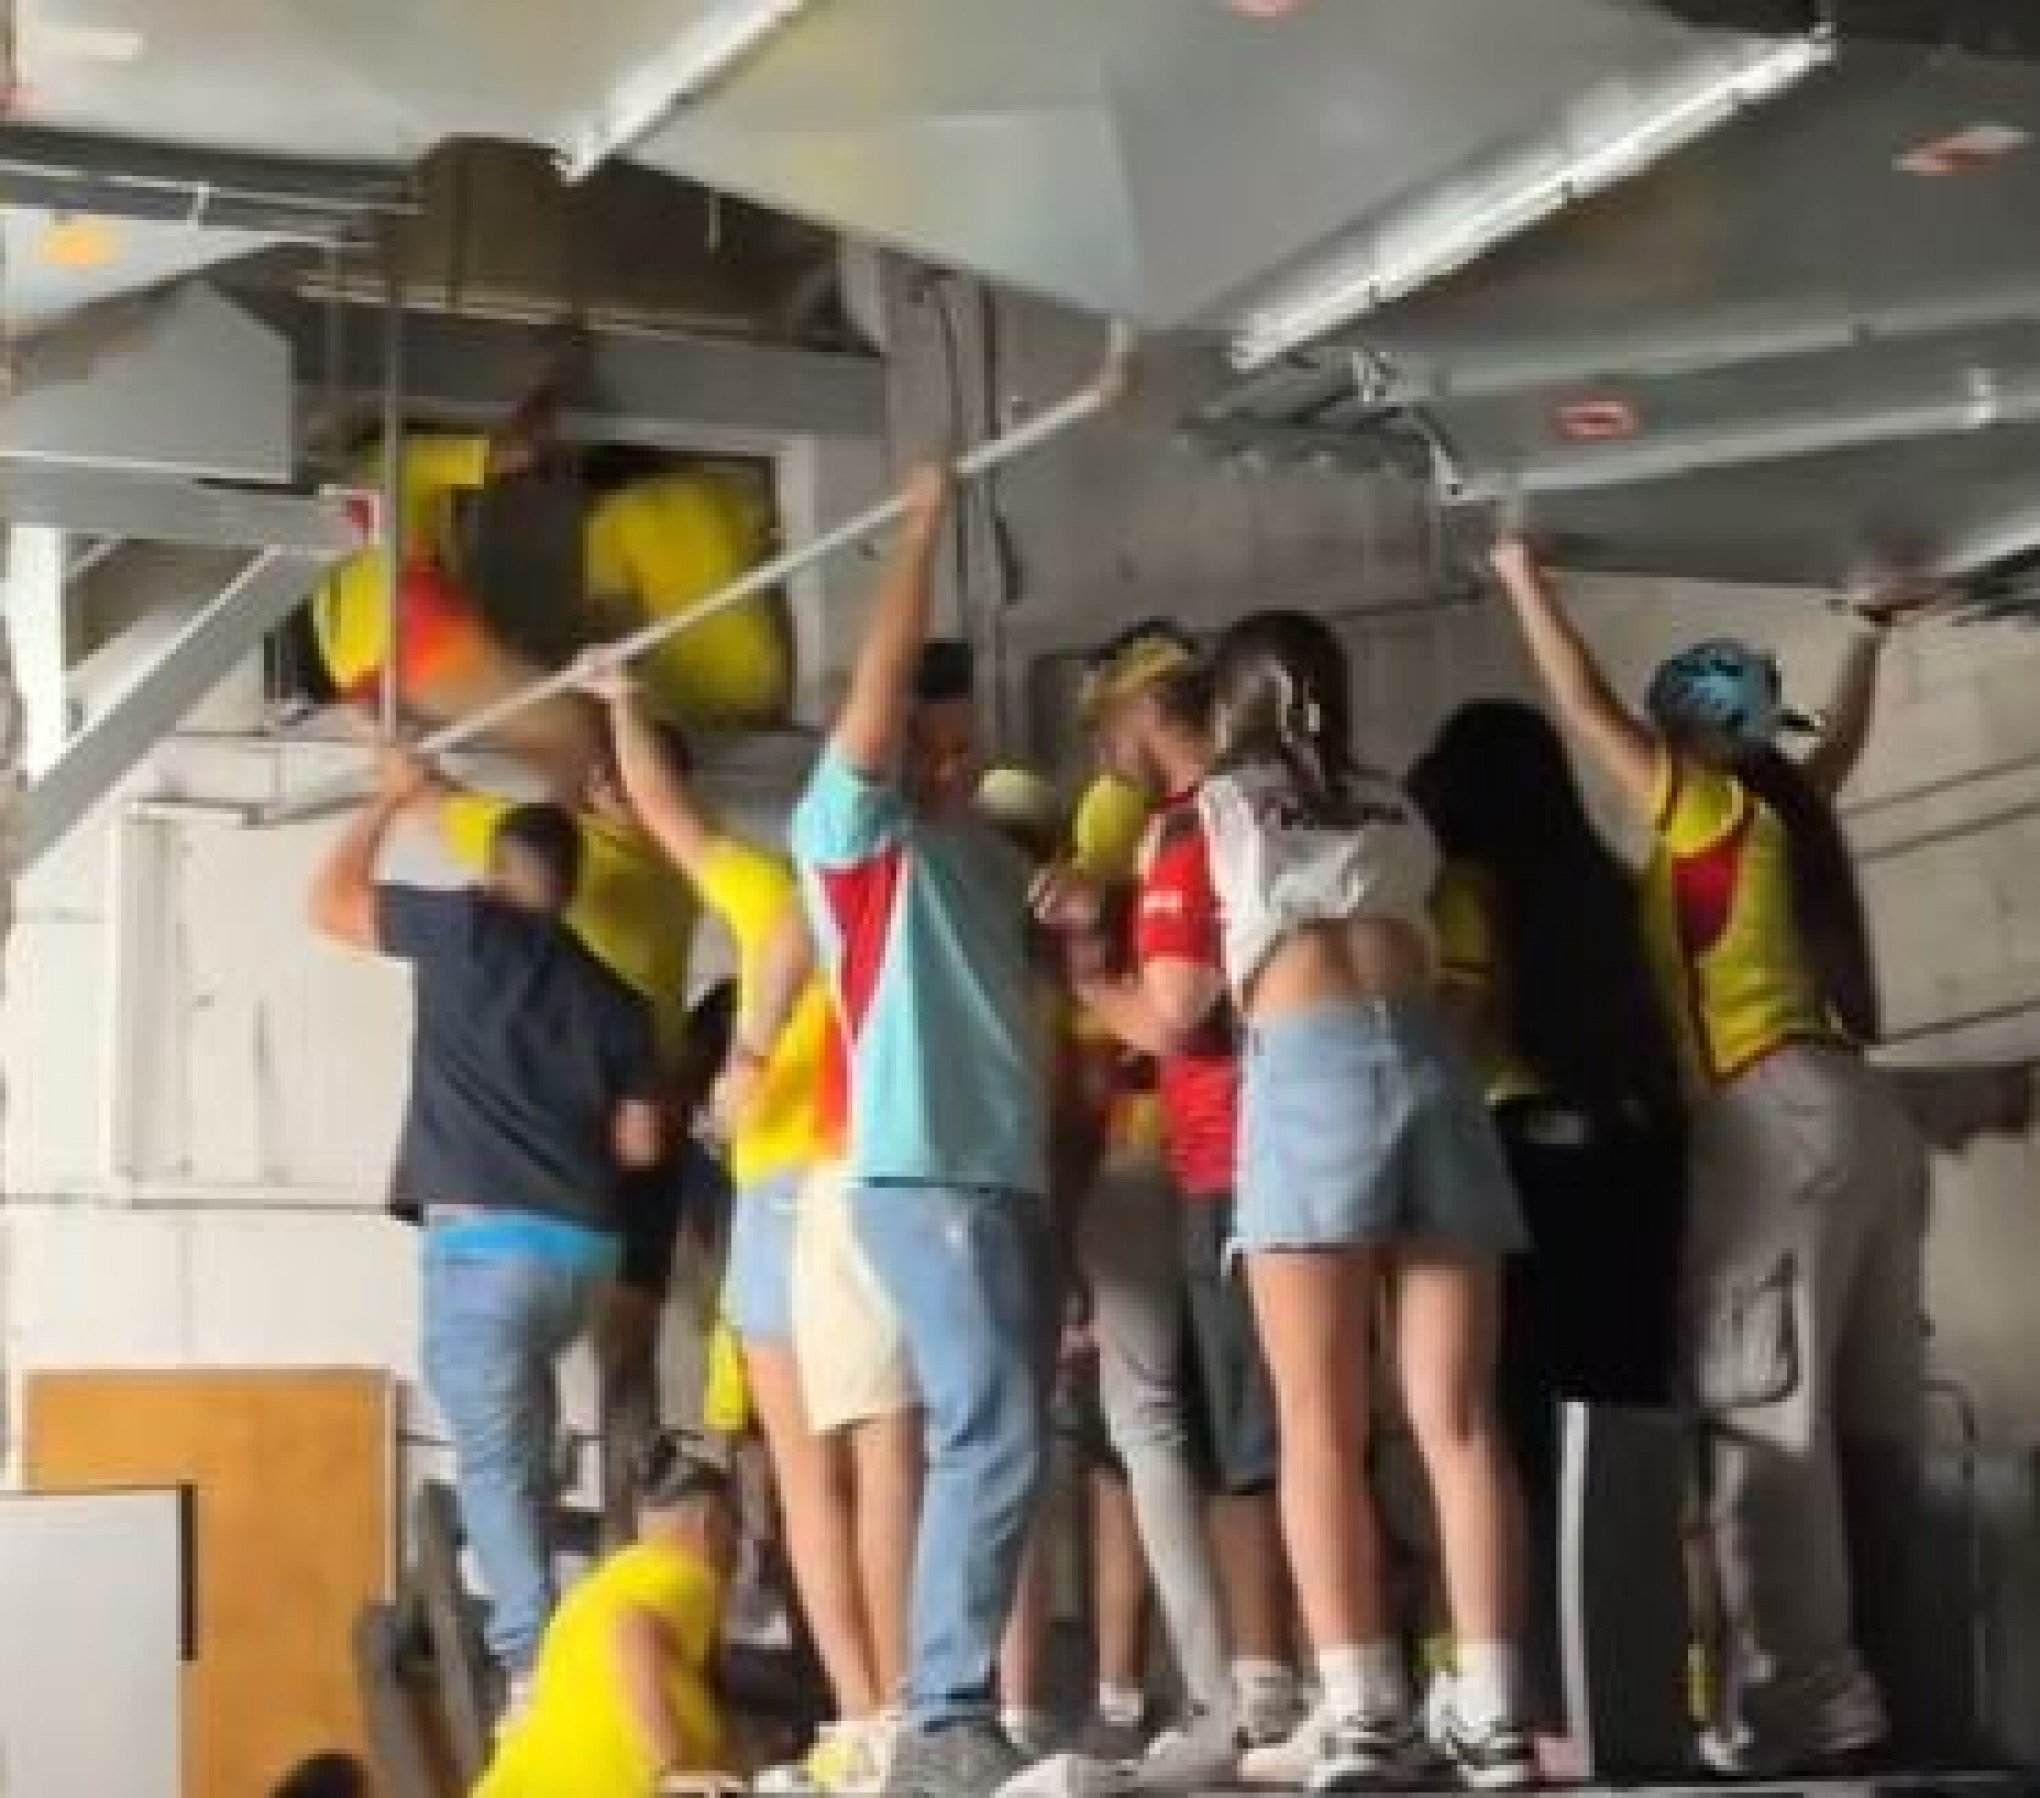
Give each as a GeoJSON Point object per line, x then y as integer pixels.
{"type": "Point", "coordinates": [919, 913]}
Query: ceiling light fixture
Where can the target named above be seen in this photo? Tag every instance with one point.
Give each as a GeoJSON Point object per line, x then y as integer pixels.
{"type": "Point", "coordinates": [699, 57]}
{"type": "Point", "coordinates": [1448, 236]}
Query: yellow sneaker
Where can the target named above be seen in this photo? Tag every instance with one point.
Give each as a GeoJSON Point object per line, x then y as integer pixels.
{"type": "Point", "coordinates": [847, 1759]}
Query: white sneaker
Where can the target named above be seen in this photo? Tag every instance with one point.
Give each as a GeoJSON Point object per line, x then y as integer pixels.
{"type": "Point", "coordinates": [1286, 1764]}
{"type": "Point", "coordinates": [1366, 1754]}
{"type": "Point", "coordinates": [1200, 1752]}
{"type": "Point", "coordinates": [1498, 1756]}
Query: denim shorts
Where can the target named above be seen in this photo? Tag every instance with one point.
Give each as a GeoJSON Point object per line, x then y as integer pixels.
{"type": "Point", "coordinates": [758, 1286]}
{"type": "Point", "coordinates": [1363, 1123]}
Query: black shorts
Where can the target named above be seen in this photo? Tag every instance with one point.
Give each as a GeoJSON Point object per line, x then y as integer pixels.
{"type": "Point", "coordinates": [1232, 1403]}
{"type": "Point", "coordinates": [655, 1204]}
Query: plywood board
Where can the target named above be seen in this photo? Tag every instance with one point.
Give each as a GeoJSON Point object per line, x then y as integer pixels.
{"type": "Point", "coordinates": [293, 1482]}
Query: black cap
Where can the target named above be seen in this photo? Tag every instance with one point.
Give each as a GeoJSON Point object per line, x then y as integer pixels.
{"type": "Point", "coordinates": [946, 670]}
{"type": "Point", "coordinates": [677, 1466]}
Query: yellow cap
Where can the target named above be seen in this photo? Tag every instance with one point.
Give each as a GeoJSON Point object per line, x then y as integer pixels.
{"type": "Point", "coordinates": [1112, 817]}
{"type": "Point", "coordinates": [1136, 661]}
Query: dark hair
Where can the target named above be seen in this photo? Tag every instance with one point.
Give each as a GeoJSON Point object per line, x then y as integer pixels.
{"type": "Point", "coordinates": [550, 836]}
{"type": "Point", "coordinates": [946, 669]}
{"type": "Point", "coordinates": [1184, 696]}
{"type": "Point", "coordinates": [712, 1021]}
{"type": "Point", "coordinates": [1280, 695]}
{"type": "Point", "coordinates": [325, 1776]}
{"type": "Point", "coordinates": [1827, 902]}
{"type": "Point", "coordinates": [1583, 1009]}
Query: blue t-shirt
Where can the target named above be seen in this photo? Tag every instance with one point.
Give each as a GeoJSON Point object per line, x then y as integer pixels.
{"type": "Point", "coordinates": [525, 1046]}
{"type": "Point", "coordinates": [922, 927]}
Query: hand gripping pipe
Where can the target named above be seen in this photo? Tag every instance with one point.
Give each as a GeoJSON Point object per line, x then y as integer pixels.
{"type": "Point", "coordinates": [1102, 391]}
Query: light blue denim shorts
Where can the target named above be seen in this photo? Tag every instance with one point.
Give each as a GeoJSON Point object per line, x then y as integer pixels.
{"type": "Point", "coordinates": [758, 1282]}
{"type": "Point", "coordinates": [1364, 1123]}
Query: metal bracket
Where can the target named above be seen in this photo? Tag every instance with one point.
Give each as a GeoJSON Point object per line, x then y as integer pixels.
{"type": "Point", "coordinates": [92, 502]}
{"type": "Point", "coordinates": [110, 745]}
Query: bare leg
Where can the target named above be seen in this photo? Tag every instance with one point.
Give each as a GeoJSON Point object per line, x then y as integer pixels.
{"type": "Point", "coordinates": [1253, 1573]}
{"type": "Point", "coordinates": [815, 1510]}
{"type": "Point", "coordinates": [1023, 1649]}
{"type": "Point", "coordinates": [1120, 1578]}
{"type": "Point", "coordinates": [1448, 1316]}
{"type": "Point", "coordinates": [1314, 1310]}
{"type": "Point", "coordinates": [886, 1454]}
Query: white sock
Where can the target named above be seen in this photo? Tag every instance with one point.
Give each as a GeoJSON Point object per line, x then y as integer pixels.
{"type": "Point", "coordinates": [1487, 1684]}
{"type": "Point", "coordinates": [1025, 1726]}
{"type": "Point", "coordinates": [1121, 1706]}
{"type": "Point", "coordinates": [1367, 1680]}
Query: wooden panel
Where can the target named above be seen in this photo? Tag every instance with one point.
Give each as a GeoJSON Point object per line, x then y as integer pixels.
{"type": "Point", "coordinates": [293, 1475]}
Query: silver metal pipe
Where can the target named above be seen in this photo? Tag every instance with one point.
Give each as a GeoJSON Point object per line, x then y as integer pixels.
{"type": "Point", "coordinates": [392, 695]}
{"type": "Point", "coordinates": [1102, 391]}
{"type": "Point", "coordinates": [1393, 376]}
{"type": "Point", "coordinates": [1992, 400]}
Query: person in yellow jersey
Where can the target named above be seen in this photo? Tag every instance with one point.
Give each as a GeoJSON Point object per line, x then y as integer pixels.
{"type": "Point", "coordinates": [1544, 966]}
{"type": "Point", "coordinates": [637, 914]}
{"type": "Point", "coordinates": [1801, 1284]}
{"type": "Point", "coordinates": [624, 1702]}
{"type": "Point", "coordinates": [773, 1146]}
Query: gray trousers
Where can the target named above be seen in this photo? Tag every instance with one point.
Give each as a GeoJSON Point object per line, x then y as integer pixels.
{"type": "Point", "coordinates": [1129, 1249]}
{"type": "Point", "coordinates": [1805, 1322]}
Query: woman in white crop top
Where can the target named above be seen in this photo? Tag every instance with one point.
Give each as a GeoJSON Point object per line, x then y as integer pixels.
{"type": "Point", "coordinates": [1366, 1160]}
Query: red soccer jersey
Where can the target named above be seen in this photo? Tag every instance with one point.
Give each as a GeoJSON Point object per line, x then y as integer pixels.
{"type": "Point", "coordinates": [1177, 920]}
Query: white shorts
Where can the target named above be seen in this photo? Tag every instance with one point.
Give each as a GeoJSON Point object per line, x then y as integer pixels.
{"type": "Point", "coordinates": [847, 1341]}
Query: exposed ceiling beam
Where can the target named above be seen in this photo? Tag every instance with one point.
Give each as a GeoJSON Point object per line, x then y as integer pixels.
{"type": "Point", "coordinates": [156, 701]}
{"type": "Point", "coordinates": [708, 48]}
{"type": "Point", "coordinates": [77, 171]}
{"type": "Point", "coordinates": [638, 387]}
{"type": "Point", "coordinates": [100, 503]}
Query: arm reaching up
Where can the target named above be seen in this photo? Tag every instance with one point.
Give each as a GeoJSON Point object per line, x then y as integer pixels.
{"type": "Point", "coordinates": [1840, 748]}
{"type": "Point", "coordinates": [873, 720]}
{"type": "Point", "coordinates": [767, 1005]}
{"type": "Point", "coordinates": [343, 904]}
{"type": "Point", "coordinates": [1626, 747]}
{"type": "Point", "coordinates": [656, 789]}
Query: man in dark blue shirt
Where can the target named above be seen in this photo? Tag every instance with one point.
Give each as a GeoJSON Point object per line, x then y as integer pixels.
{"type": "Point", "coordinates": [533, 1090]}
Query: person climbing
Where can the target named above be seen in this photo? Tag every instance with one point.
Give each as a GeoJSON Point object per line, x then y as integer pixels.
{"type": "Point", "coordinates": [1801, 1282]}
{"type": "Point", "coordinates": [1366, 1163]}
{"type": "Point", "coordinates": [534, 1087]}
{"type": "Point", "coordinates": [625, 1701]}
{"type": "Point", "coordinates": [920, 918]}
{"type": "Point", "coordinates": [639, 916]}
{"type": "Point", "coordinates": [1158, 1260]}
{"type": "Point", "coordinates": [773, 1146]}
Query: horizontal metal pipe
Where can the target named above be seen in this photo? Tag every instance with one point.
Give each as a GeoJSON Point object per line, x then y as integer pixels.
{"type": "Point", "coordinates": [1102, 391]}
{"type": "Point", "coordinates": [1396, 376]}
{"type": "Point", "coordinates": [1673, 453]}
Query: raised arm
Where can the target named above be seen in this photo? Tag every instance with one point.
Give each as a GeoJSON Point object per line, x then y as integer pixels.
{"type": "Point", "coordinates": [343, 901]}
{"type": "Point", "coordinates": [873, 720]}
{"type": "Point", "coordinates": [656, 789]}
{"type": "Point", "coordinates": [1847, 729]}
{"type": "Point", "coordinates": [1626, 747]}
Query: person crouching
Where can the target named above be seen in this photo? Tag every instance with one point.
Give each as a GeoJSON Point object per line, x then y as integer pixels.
{"type": "Point", "coordinates": [624, 1701]}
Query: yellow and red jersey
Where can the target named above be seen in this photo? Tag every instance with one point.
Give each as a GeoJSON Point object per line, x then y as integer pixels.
{"type": "Point", "coordinates": [1722, 931]}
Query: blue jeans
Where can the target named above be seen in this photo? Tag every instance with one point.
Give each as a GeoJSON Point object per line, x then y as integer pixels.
{"type": "Point", "coordinates": [968, 1273]}
{"type": "Point", "coordinates": [496, 1326]}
